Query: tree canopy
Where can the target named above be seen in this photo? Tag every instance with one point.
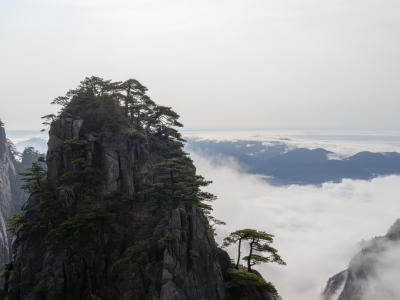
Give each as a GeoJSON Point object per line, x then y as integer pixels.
{"type": "Point", "coordinates": [259, 242]}
{"type": "Point", "coordinates": [124, 107]}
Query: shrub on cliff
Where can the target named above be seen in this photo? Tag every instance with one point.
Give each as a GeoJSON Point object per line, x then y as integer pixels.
{"type": "Point", "coordinates": [239, 279]}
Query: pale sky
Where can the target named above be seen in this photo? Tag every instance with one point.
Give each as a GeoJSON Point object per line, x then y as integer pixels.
{"type": "Point", "coordinates": [254, 64]}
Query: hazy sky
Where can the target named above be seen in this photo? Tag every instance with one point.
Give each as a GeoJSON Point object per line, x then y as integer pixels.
{"type": "Point", "coordinates": [220, 64]}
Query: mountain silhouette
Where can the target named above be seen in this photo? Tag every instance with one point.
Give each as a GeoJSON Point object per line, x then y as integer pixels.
{"type": "Point", "coordinates": [301, 166]}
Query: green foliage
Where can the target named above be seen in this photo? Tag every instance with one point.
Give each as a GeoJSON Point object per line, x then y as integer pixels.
{"type": "Point", "coordinates": [48, 119]}
{"type": "Point", "coordinates": [240, 278]}
{"type": "Point", "coordinates": [15, 220]}
{"type": "Point", "coordinates": [194, 255]}
{"type": "Point", "coordinates": [67, 175]}
{"type": "Point", "coordinates": [15, 154]}
{"type": "Point", "coordinates": [30, 155]}
{"type": "Point", "coordinates": [33, 177]}
{"type": "Point", "coordinates": [134, 259]}
{"type": "Point", "coordinates": [158, 230]}
{"type": "Point", "coordinates": [133, 255]}
{"type": "Point", "coordinates": [110, 113]}
{"type": "Point", "coordinates": [212, 222]}
{"type": "Point", "coordinates": [259, 241]}
{"type": "Point", "coordinates": [134, 134]}
{"type": "Point", "coordinates": [177, 180]}
{"type": "Point", "coordinates": [4, 273]}
{"type": "Point", "coordinates": [86, 218]}
{"type": "Point", "coordinates": [121, 112]}
{"type": "Point", "coordinates": [75, 144]}
{"type": "Point", "coordinates": [165, 239]}
{"type": "Point", "coordinates": [91, 175]}
{"type": "Point", "coordinates": [24, 283]}
{"type": "Point", "coordinates": [41, 291]}
{"type": "Point", "coordinates": [50, 206]}
{"type": "Point", "coordinates": [88, 196]}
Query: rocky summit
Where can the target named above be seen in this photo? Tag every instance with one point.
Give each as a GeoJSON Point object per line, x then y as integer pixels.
{"type": "Point", "coordinates": [116, 211]}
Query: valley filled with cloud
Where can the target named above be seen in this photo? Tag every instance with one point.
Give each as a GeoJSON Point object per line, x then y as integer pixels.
{"type": "Point", "coordinates": [318, 229]}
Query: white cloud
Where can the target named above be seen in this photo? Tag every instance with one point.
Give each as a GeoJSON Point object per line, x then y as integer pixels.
{"type": "Point", "coordinates": [342, 143]}
{"type": "Point", "coordinates": [316, 229]}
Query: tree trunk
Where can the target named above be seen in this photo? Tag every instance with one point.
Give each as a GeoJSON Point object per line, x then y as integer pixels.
{"type": "Point", "coordinates": [126, 102]}
{"type": "Point", "coordinates": [137, 122]}
{"type": "Point", "coordinates": [237, 265]}
{"type": "Point", "coordinates": [142, 277]}
{"type": "Point", "coordinates": [131, 115]}
{"type": "Point", "coordinates": [172, 189]}
{"type": "Point", "coordinates": [249, 257]}
{"type": "Point", "coordinates": [38, 181]}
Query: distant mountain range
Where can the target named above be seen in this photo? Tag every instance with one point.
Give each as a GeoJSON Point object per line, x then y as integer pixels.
{"type": "Point", "coordinates": [302, 166]}
{"type": "Point", "coordinates": [39, 144]}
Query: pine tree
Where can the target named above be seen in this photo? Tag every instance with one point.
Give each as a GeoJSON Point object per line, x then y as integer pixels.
{"type": "Point", "coordinates": [259, 242]}
{"type": "Point", "coordinates": [33, 176]}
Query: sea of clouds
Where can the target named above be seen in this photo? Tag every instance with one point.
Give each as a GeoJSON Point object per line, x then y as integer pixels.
{"type": "Point", "coordinates": [317, 229]}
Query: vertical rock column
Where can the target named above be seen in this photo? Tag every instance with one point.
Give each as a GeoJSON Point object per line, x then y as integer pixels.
{"type": "Point", "coordinates": [7, 174]}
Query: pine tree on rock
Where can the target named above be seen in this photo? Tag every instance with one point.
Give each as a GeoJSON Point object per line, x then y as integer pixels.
{"type": "Point", "coordinates": [259, 242]}
{"type": "Point", "coordinates": [33, 176]}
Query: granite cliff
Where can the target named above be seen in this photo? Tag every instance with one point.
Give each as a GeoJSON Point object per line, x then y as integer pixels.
{"type": "Point", "coordinates": [11, 197]}
{"type": "Point", "coordinates": [100, 225]}
{"type": "Point", "coordinates": [7, 176]}
{"type": "Point", "coordinates": [372, 273]}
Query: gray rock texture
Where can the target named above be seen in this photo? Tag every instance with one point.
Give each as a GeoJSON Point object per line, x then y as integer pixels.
{"type": "Point", "coordinates": [11, 196]}
{"type": "Point", "coordinates": [370, 271]}
{"type": "Point", "coordinates": [7, 175]}
{"type": "Point", "coordinates": [179, 274]}
{"type": "Point", "coordinates": [88, 260]}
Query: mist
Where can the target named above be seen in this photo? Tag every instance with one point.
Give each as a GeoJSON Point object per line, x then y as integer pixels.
{"type": "Point", "coordinates": [317, 229]}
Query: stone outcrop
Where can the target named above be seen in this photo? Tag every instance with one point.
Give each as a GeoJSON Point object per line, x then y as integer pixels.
{"type": "Point", "coordinates": [375, 264]}
{"type": "Point", "coordinates": [7, 176]}
{"type": "Point", "coordinates": [84, 262]}
{"type": "Point", "coordinates": [11, 196]}
{"type": "Point", "coordinates": [188, 268]}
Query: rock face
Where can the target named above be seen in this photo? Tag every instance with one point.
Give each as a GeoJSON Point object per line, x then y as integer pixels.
{"type": "Point", "coordinates": [7, 176]}
{"type": "Point", "coordinates": [11, 196]}
{"type": "Point", "coordinates": [371, 273]}
{"type": "Point", "coordinates": [188, 268]}
{"type": "Point", "coordinates": [84, 262]}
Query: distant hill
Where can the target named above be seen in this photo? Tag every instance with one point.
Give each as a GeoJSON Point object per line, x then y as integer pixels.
{"type": "Point", "coordinates": [304, 166]}
{"type": "Point", "coordinates": [301, 166]}
{"type": "Point", "coordinates": [250, 153]}
{"type": "Point", "coordinates": [39, 144]}
{"type": "Point", "coordinates": [378, 163]}
{"type": "Point", "coordinates": [294, 157]}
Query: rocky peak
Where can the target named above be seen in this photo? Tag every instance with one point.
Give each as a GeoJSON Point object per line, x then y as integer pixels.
{"type": "Point", "coordinates": [92, 229]}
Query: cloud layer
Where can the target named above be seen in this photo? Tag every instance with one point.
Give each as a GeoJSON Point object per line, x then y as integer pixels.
{"type": "Point", "coordinates": [316, 229]}
{"type": "Point", "coordinates": [342, 143]}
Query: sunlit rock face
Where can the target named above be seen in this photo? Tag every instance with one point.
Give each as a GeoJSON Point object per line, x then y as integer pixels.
{"type": "Point", "coordinates": [7, 176]}
{"type": "Point", "coordinates": [372, 273]}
